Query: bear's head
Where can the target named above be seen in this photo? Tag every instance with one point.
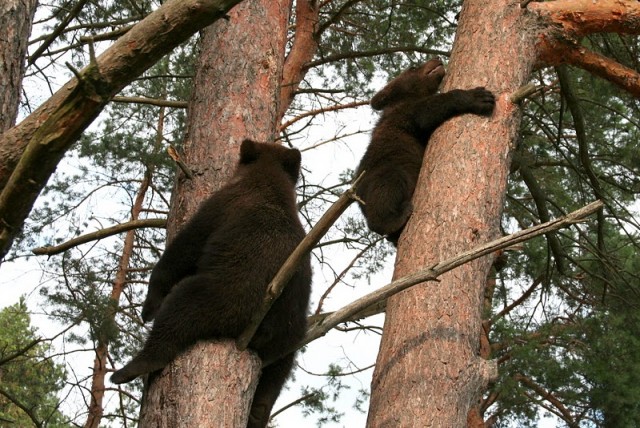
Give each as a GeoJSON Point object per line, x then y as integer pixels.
{"type": "Point", "coordinates": [413, 83]}
{"type": "Point", "coordinates": [267, 156]}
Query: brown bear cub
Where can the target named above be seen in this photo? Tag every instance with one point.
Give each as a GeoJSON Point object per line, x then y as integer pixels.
{"type": "Point", "coordinates": [411, 111]}
{"type": "Point", "coordinates": [213, 276]}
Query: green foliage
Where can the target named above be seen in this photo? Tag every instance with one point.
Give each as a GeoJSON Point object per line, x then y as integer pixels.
{"type": "Point", "coordinates": [571, 346]}
{"type": "Point", "coordinates": [29, 377]}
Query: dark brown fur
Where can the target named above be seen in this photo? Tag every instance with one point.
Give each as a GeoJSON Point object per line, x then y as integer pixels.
{"type": "Point", "coordinates": [411, 111]}
{"type": "Point", "coordinates": [213, 276]}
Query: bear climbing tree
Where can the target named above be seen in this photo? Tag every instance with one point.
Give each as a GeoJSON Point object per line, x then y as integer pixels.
{"type": "Point", "coordinates": [411, 111]}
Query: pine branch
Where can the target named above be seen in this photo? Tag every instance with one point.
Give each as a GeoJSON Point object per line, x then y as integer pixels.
{"type": "Point", "coordinates": [29, 412]}
{"type": "Point", "coordinates": [73, 13]}
{"type": "Point", "coordinates": [100, 234]}
{"type": "Point", "coordinates": [556, 52]}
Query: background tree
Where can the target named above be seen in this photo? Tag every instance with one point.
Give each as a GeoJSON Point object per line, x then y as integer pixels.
{"type": "Point", "coordinates": [552, 313]}
{"type": "Point", "coordinates": [30, 378]}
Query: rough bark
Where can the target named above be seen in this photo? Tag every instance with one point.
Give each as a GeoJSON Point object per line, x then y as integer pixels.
{"type": "Point", "coordinates": [236, 92]}
{"type": "Point", "coordinates": [428, 371]}
{"type": "Point", "coordinates": [30, 151]}
{"type": "Point", "coordinates": [16, 17]}
{"type": "Point", "coordinates": [209, 386]}
{"type": "Point", "coordinates": [305, 45]}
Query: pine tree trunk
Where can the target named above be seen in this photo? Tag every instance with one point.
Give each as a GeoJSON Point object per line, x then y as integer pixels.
{"type": "Point", "coordinates": [428, 371]}
{"type": "Point", "coordinates": [15, 20]}
{"type": "Point", "coordinates": [236, 92]}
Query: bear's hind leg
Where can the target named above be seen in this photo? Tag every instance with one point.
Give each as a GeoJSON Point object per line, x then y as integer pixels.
{"type": "Point", "coordinates": [192, 311]}
{"type": "Point", "coordinates": [270, 384]}
{"type": "Point", "coordinates": [387, 201]}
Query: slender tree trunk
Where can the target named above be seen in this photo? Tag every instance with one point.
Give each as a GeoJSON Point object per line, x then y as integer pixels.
{"type": "Point", "coordinates": [16, 17]}
{"type": "Point", "coordinates": [96, 409]}
{"type": "Point", "coordinates": [236, 93]}
{"type": "Point", "coordinates": [428, 371]}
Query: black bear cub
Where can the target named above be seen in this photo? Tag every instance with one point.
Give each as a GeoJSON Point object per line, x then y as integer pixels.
{"type": "Point", "coordinates": [212, 277]}
{"type": "Point", "coordinates": [411, 111]}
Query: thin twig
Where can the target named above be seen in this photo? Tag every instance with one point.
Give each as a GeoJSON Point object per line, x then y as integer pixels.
{"type": "Point", "coordinates": [432, 273]}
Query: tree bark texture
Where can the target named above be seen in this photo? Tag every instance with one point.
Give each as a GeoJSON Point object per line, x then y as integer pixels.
{"type": "Point", "coordinates": [30, 151]}
{"type": "Point", "coordinates": [16, 17]}
{"type": "Point", "coordinates": [428, 372]}
{"type": "Point", "coordinates": [235, 96]}
{"type": "Point", "coordinates": [207, 387]}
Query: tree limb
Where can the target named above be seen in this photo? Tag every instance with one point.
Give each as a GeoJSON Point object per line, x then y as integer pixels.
{"type": "Point", "coordinates": [569, 20]}
{"type": "Point", "coordinates": [353, 104]}
{"type": "Point", "coordinates": [151, 101]}
{"type": "Point", "coordinates": [556, 52]}
{"type": "Point", "coordinates": [100, 234]}
{"type": "Point", "coordinates": [352, 310]}
{"type": "Point", "coordinates": [29, 412]}
{"type": "Point", "coordinates": [20, 351]}
{"type": "Point", "coordinates": [581, 17]}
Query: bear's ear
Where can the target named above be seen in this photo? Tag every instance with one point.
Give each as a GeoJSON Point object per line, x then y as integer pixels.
{"type": "Point", "coordinates": [291, 163]}
{"type": "Point", "coordinates": [382, 98]}
{"type": "Point", "coordinates": [249, 151]}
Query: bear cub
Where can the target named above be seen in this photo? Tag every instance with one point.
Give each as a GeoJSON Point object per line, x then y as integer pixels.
{"type": "Point", "coordinates": [411, 111]}
{"type": "Point", "coordinates": [212, 277]}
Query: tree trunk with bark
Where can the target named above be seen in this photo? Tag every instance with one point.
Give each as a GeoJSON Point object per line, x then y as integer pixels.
{"type": "Point", "coordinates": [15, 20]}
{"type": "Point", "coordinates": [235, 96]}
{"type": "Point", "coordinates": [429, 372]}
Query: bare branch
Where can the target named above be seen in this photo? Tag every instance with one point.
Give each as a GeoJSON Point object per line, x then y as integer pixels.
{"type": "Point", "coordinates": [354, 104]}
{"type": "Point", "coordinates": [100, 234]}
{"type": "Point", "coordinates": [20, 351]}
{"type": "Point", "coordinates": [173, 153]}
{"type": "Point", "coordinates": [151, 101]}
{"type": "Point", "coordinates": [352, 310]}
